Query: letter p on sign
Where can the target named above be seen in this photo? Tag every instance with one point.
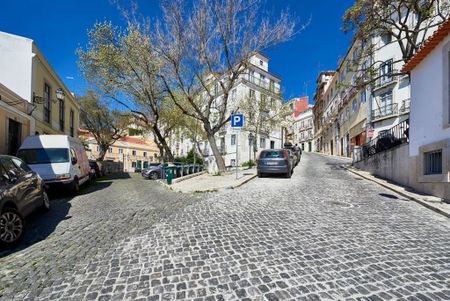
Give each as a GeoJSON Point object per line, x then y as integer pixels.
{"type": "Point", "coordinates": [237, 120]}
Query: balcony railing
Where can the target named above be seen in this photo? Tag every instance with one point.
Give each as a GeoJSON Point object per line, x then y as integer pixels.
{"type": "Point", "coordinates": [386, 140]}
{"type": "Point", "coordinates": [269, 86]}
{"type": "Point", "coordinates": [386, 79]}
{"type": "Point", "coordinates": [385, 111]}
{"type": "Point", "coordinates": [404, 106]}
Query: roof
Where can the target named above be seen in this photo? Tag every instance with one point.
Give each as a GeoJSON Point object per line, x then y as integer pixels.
{"type": "Point", "coordinates": [437, 37]}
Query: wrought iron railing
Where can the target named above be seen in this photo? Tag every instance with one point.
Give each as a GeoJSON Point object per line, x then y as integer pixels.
{"type": "Point", "coordinates": [384, 111]}
{"type": "Point", "coordinates": [395, 136]}
{"type": "Point", "coordinates": [269, 86]}
{"type": "Point", "coordinates": [404, 106]}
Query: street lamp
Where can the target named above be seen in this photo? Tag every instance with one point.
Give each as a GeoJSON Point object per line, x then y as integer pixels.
{"type": "Point", "coordinates": [60, 94]}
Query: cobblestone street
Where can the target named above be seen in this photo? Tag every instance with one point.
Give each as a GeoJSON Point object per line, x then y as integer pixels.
{"type": "Point", "coordinates": [324, 234]}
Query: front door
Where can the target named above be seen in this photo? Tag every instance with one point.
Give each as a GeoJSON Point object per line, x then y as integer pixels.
{"type": "Point", "coordinates": [14, 136]}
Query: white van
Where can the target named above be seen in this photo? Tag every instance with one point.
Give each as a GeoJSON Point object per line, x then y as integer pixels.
{"type": "Point", "coordinates": [60, 160]}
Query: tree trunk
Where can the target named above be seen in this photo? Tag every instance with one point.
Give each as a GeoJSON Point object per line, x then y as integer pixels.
{"type": "Point", "coordinates": [102, 153]}
{"type": "Point", "coordinates": [167, 155]}
{"type": "Point", "coordinates": [216, 152]}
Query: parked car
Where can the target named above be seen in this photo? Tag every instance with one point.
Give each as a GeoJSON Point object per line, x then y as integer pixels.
{"type": "Point", "coordinates": [155, 172]}
{"type": "Point", "coordinates": [21, 192]}
{"type": "Point", "coordinates": [295, 150]}
{"type": "Point", "coordinates": [275, 161]}
{"type": "Point", "coordinates": [60, 160]}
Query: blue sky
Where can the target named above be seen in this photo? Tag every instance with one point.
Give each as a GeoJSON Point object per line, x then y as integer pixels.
{"type": "Point", "coordinates": [59, 27]}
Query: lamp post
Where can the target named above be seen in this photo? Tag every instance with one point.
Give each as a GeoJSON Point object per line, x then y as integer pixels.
{"type": "Point", "coordinates": [60, 94]}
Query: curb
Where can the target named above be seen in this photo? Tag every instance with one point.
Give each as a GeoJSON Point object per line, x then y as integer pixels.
{"type": "Point", "coordinates": [181, 179]}
{"type": "Point", "coordinates": [244, 182]}
{"type": "Point", "coordinates": [398, 191]}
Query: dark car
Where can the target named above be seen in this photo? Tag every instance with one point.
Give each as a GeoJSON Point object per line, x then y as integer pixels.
{"type": "Point", "coordinates": [295, 151]}
{"type": "Point", "coordinates": [275, 161]}
{"type": "Point", "coordinates": [154, 172]}
{"type": "Point", "coordinates": [21, 192]}
{"type": "Point", "coordinates": [96, 170]}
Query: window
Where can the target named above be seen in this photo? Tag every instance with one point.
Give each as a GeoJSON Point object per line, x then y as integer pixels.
{"type": "Point", "coordinates": [262, 142]}
{"type": "Point", "coordinates": [233, 162]}
{"type": "Point", "coordinates": [252, 94]}
{"type": "Point", "coordinates": [386, 71]}
{"type": "Point", "coordinates": [120, 150]}
{"type": "Point", "coordinates": [44, 156]}
{"type": "Point", "coordinates": [72, 122]}
{"type": "Point", "coordinates": [144, 154]}
{"type": "Point", "coordinates": [98, 148]}
{"type": "Point", "coordinates": [133, 153]}
{"type": "Point", "coordinates": [47, 103]}
{"type": "Point", "coordinates": [233, 139]}
{"type": "Point", "coordinates": [386, 38]}
{"type": "Point", "coordinates": [386, 104]}
{"type": "Point", "coordinates": [363, 96]}
{"type": "Point", "coordinates": [433, 162]}
{"type": "Point", "coordinates": [110, 150]}
{"type": "Point", "coordinates": [233, 95]}
{"type": "Point", "coordinates": [271, 85]}
{"type": "Point", "coordinates": [355, 105]}
{"type": "Point", "coordinates": [261, 62]}
{"type": "Point", "coordinates": [133, 164]}
{"type": "Point", "coordinates": [61, 115]}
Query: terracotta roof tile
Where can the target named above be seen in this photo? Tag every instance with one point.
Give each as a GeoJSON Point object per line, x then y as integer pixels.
{"type": "Point", "coordinates": [438, 36]}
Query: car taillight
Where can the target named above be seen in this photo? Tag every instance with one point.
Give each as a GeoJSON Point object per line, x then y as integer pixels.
{"type": "Point", "coordinates": [286, 155]}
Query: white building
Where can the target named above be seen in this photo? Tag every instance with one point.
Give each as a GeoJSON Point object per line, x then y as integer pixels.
{"type": "Point", "coordinates": [254, 84]}
{"type": "Point", "coordinates": [304, 129]}
{"type": "Point", "coordinates": [430, 115]}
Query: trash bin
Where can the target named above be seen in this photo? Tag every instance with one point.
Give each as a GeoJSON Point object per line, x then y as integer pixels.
{"type": "Point", "coordinates": [169, 175]}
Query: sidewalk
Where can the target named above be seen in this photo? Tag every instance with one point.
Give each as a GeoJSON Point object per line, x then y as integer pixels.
{"type": "Point", "coordinates": [206, 182]}
{"type": "Point", "coordinates": [429, 201]}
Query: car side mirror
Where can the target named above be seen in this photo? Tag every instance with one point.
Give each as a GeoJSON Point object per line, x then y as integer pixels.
{"type": "Point", "coordinates": [74, 160]}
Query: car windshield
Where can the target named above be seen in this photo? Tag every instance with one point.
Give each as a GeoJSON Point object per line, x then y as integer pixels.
{"type": "Point", "coordinates": [271, 154]}
{"type": "Point", "coordinates": [44, 156]}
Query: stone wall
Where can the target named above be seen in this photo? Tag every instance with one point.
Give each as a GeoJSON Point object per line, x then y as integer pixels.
{"type": "Point", "coordinates": [111, 167]}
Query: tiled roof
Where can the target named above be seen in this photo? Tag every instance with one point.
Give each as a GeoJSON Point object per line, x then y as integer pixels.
{"type": "Point", "coordinates": [438, 36]}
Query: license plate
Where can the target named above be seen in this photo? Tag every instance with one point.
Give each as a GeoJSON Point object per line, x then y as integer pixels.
{"type": "Point", "coordinates": [271, 163]}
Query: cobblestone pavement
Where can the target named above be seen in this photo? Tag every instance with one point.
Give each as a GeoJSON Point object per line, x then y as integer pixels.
{"type": "Point", "coordinates": [325, 234]}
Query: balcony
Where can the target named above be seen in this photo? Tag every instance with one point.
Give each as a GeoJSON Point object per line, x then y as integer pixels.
{"type": "Point", "coordinates": [385, 80]}
{"type": "Point", "coordinates": [404, 106]}
{"type": "Point", "coordinates": [268, 86]}
{"type": "Point", "coordinates": [385, 111]}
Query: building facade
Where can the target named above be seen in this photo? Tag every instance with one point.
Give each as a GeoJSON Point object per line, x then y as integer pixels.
{"type": "Point", "coordinates": [135, 153]}
{"type": "Point", "coordinates": [15, 123]}
{"type": "Point", "coordinates": [322, 82]}
{"type": "Point", "coordinates": [304, 129]}
{"type": "Point", "coordinates": [242, 145]}
{"type": "Point", "coordinates": [429, 135]}
{"type": "Point", "coordinates": [26, 72]}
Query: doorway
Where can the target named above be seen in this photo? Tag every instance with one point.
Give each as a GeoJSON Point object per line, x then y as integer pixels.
{"type": "Point", "coordinates": [14, 136]}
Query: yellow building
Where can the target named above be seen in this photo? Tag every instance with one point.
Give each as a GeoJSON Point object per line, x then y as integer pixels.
{"type": "Point", "coordinates": [26, 72]}
{"type": "Point", "coordinates": [15, 123]}
{"type": "Point", "coordinates": [133, 152]}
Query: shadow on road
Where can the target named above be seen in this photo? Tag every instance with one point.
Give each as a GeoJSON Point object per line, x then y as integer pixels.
{"type": "Point", "coordinates": [39, 225]}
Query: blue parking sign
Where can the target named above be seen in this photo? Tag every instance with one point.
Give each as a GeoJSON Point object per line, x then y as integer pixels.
{"type": "Point", "coordinates": [237, 120]}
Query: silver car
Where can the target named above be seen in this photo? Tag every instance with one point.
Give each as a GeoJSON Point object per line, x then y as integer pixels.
{"type": "Point", "coordinates": [275, 161]}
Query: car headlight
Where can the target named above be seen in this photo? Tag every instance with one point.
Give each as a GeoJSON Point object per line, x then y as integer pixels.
{"type": "Point", "coordinates": [63, 176]}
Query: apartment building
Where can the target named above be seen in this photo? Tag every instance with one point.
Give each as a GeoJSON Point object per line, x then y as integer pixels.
{"type": "Point", "coordinates": [135, 152]}
{"type": "Point", "coordinates": [256, 84]}
{"type": "Point", "coordinates": [26, 72]}
{"type": "Point", "coordinates": [322, 82]}
{"type": "Point", "coordinates": [304, 129]}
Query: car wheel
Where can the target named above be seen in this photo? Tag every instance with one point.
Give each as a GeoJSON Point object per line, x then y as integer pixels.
{"type": "Point", "coordinates": [45, 201]}
{"type": "Point", "coordinates": [153, 176]}
{"type": "Point", "coordinates": [289, 174]}
{"type": "Point", "coordinates": [11, 227]}
{"type": "Point", "coordinates": [75, 187]}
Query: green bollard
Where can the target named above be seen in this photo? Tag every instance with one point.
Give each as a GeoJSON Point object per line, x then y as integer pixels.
{"type": "Point", "coordinates": [169, 176]}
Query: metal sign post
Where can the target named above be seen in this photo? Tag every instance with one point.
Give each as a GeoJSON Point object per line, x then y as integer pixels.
{"type": "Point", "coordinates": [237, 122]}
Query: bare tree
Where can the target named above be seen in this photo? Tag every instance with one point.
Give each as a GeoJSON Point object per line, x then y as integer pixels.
{"type": "Point", "coordinates": [124, 66]}
{"type": "Point", "coordinates": [206, 47]}
{"type": "Point", "coordinates": [406, 23]}
{"type": "Point", "coordinates": [106, 125]}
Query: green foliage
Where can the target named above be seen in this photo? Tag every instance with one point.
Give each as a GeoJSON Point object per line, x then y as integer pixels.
{"type": "Point", "coordinates": [250, 164]}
